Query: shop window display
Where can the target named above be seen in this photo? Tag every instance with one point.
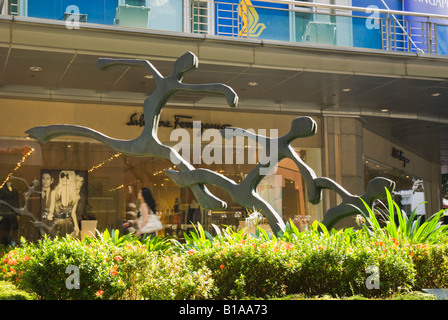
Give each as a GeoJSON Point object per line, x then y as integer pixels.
{"type": "Point", "coordinates": [409, 191]}
{"type": "Point", "coordinates": [83, 181]}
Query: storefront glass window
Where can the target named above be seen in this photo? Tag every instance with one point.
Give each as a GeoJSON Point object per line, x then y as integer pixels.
{"type": "Point", "coordinates": [409, 191]}
{"type": "Point", "coordinates": [87, 185]}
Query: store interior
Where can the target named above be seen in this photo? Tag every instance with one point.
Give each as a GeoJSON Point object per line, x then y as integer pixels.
{"type": "Point", "coordinates": [104, 184]}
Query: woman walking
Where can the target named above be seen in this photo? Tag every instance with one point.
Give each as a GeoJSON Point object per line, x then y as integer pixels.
{"type": "Point", "coordinates": [147, 222]}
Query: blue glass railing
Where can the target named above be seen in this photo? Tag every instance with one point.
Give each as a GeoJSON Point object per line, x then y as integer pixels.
{"type": "Point", "coordinates": [372, 27]}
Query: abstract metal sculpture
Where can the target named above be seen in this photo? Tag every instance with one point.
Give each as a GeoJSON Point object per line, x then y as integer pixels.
{"type": "Point", "coordinates": [148, 144]}
{"type": "Point", "coordinates": [244, 193]}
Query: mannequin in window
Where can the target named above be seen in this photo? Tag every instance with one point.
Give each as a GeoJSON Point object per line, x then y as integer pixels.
{"type": "Point", "coordinates": [8, 218]}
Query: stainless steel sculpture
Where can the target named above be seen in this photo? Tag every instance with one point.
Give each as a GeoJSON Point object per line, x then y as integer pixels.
{"type": "Point", "coordinates": [244, 193]}
{"type": "Point", "coordinates": [148, 144]}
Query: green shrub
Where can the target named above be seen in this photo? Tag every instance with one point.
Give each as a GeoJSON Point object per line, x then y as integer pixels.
{"type": "Point", "coordinates": [431, 264]}
{"type": "Point", "coordinates": [110, 267]}
{"type": "Point", "coordinates": [8, 291]}
{"type": "Point", "coordinates": [312, 263]}
{"type": "Point", "coordinates": [340, 266]}
{"type": "Point", "coordinates": [248, 268]}
{"type": "Point", "coordinates": [42, 268]}
{"type": "Point", "coordinates": [166, 277]}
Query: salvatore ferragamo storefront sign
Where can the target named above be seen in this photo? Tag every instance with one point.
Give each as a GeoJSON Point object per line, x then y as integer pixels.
{"type": "Point", "coordinates": [178, 121]}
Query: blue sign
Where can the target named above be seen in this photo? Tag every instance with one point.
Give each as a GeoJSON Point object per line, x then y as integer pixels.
{"type": "Point", "coordinates": [426, 6]}
{"type": "Point", "coordinates": [102, 12]}
{"type": "Point", "coordinates": [252, 19]}
{"type": "Point", "coordinates": [439, 7]}
{"type": "Point", "coordinates": [366, 24]}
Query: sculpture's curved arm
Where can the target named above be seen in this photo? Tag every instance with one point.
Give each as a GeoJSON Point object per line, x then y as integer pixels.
{"type": "Point", "coordinates": [231, 132]}
{"type": "Point", "coordinates": [309, 176]}
{"type": "Point", "coordinates": [218, 88]}
{"type": "Point", "coordinates": [46, 133]}
{"type": "Point", "coordinates": [19, 211]}
{"type": "Point", "coordinates": [201, 176]}
{"type": "Point", "coordinates": [327, 183]}
{"type": "Point", "coordinates": [104, 63]}
{"type": "Point", "coordinates": [15, 210]}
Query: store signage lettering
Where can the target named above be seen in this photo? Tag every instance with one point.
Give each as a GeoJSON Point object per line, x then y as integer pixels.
{"type": "Point", "coordinates": [398, 154]}
{"type": "Point", "coordinates": [434, 3]}
{"type": "Point", "coordinates": [179, 121]}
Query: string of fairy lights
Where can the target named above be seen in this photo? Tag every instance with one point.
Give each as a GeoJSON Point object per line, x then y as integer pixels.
{"type": "Point", "coordinates": [99, 165]}
{"type": "Point", "coordinates": [123, 185]}
{"type": "Point", "coordinates": [163, 170]}
{"type": "Point", "coordinates": [18, 166]}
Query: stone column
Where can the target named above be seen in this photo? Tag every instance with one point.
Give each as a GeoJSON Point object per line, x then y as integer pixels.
{"type": "Point", "coordinates": [343, 159]}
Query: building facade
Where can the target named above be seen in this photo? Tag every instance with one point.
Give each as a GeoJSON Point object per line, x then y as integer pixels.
{"type": "Point", "coordinates": [374, 87]}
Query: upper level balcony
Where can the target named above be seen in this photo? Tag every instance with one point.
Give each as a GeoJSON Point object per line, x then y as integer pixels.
{"type": "Point", "coordinates": [377, 25]}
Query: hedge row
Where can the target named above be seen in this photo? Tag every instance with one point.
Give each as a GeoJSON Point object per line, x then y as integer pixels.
{"type": "Point", "coordinates": [231, 265]}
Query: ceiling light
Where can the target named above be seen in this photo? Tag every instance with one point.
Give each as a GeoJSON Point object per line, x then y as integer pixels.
{"type": "Point", "coordinates": [253, 83]}
{"type": "Point", "coordinates": [384, 110]}
{"type": "Point", "coordinates": [436, 94]}
{"type": "Point", "coordinates": [346, 89]}
{"type": "Point", "coordinates": [148, 76]}
{"type": "Point", "coordinates": [35, 69]}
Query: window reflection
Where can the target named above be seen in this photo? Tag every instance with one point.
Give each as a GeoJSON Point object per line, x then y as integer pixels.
{"type": "Point", "coordinates": [409, 191]}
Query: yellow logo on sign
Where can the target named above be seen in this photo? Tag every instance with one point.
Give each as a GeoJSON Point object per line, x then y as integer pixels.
{"type": "Point", "coordinates": [250, 27]}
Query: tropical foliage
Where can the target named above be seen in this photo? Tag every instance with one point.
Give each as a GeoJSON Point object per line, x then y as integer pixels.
{"type": "Point", "coordinates": [405, 254]}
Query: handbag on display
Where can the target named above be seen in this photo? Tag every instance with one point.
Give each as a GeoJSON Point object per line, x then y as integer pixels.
{"type": "Point", "coordinates": [154, 224]}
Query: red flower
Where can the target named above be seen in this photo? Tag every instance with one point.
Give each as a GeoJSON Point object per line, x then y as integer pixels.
{"type": "Point", "coordinates": [12, 262]}
{"type": "Point", "coordinates": [191, 251]}
{"type": "Point", "coordinates": [118, 258]}
{"type": "Point", "coordinates": [114, 272]}
{"type": "Point", "coordinates": [99, 293]}
{"type": "Point", "coordinates": [222, 266]}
